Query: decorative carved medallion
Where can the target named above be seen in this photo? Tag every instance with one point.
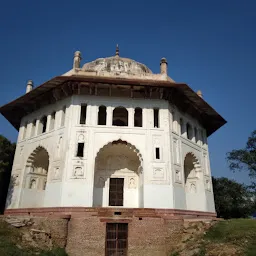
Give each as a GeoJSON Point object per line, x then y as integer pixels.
{"type": "Point", "coordinates": [132, 183]}
{"type": "Point", "coordinates": [192, 187]}
{"type": "Point", "coordinates": [80, 138]}
{"type": "Point", "coordinates": [177, 176]}
{"type": "Point", "coordinates": [158, 173]}
{"type": "Point", "coordinates": [78, 172]}
{"type": "Point", "coordinates": [208, 185]}
{"type": "Point", "coordinates": [56, 173]}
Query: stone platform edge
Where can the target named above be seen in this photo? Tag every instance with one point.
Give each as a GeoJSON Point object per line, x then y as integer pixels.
{"type": "Point", "coordinates": [109, 212]}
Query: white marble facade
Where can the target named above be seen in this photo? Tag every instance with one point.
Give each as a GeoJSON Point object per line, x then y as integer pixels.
{"type": "Point", "coordinates": [68, 152]}
{"type": "Point", "coordinates": [48, 172]}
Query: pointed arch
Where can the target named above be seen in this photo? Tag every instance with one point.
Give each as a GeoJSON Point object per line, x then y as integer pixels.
{"type": "Point", "coordinates": [127, 144]}
{"type": "Point", "coordinates": [37, 168]}
{"type": "Point", "coordinates": [191, 166]}
{"type": "Point", "coordinates": [35, 178]}
{"type": "Point", "coordinates": [118, 175]}
{"type": "Point", "coordinates": [193, 181]}
{"type": "Point", "coordinates": [35, 152]}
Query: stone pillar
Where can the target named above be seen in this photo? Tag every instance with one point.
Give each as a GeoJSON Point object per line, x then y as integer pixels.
{"type": "Point", "coordinates": [95, 121]}
{"type": "Point", "coordinates": [48, 123]}
{"type": "Point", "coordinates": [37, 127]}
{"type": "Point", "coordinates": [88, 120]}
{"type": "Point", "coordinates": [172, 124]}
{"type": "Point", "coordinates": [109, 115]}
{"type": "Point", "coordinates": [150, 114]}
{"type": "Point", "coordinates": [131, 117]}
{"type": "Point", "coordinates": [183, 129]}
{"type": "Point", "coordinates": [144, 118]}
{"type": "Point", "coordinates": [29, 130]}
{"type": "Point", "coordinates": [193, 133]}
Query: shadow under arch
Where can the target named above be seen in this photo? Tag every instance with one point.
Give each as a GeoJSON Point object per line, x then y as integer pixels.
{"type": "Point", "coordinates": [192, 176]}
{"type": "Point", "coordinates": [123, 142]}
{"type": "Point", "coordinates": [35, 152]}
{"type": "Point", "coordinates": [191, 163]}
{"type": "Point", "coordinates": [35, 178]}
{"type": "Point", "coordinates": [122, 161]}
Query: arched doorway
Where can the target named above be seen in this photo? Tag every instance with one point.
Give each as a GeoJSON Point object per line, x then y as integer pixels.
{"type": "Point", "coordinates": [191, 181]}
{"type": "Point", "coordinates": [117, 176]}
{"type": "Point", "coordinates": [35, 179]}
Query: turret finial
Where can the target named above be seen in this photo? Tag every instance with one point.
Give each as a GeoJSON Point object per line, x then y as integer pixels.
{"type": "Point", "coordinates": [30, 86]}
{"type": "Point", "coordinates": [77, 59]}
{"type": "Point", "coordinates": [163, 66]}
{"type": "Point", "coordinates": [117, 50]}
{"type": "Point", "coordinates": [199, 93]}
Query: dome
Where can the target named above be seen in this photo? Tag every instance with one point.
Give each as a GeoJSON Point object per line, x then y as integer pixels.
{"type": "Point", "coordinates": [117, 65]}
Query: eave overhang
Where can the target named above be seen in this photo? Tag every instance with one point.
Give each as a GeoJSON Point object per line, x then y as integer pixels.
{"type": "Point", "coordinates": [179, 94]}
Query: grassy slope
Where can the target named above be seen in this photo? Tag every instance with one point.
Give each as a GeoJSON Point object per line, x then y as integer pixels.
{"type": "Point", "coordinates": [239, 232]}
{"type": "Point", "coordinates": [10, 236]}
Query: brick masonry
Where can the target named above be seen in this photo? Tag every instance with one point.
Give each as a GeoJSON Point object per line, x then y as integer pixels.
{"type": "Point", "coordinates": [151, 232]}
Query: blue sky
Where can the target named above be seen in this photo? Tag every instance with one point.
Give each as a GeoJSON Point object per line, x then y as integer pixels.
{"type": "Point", "coordinates": [210, 45]}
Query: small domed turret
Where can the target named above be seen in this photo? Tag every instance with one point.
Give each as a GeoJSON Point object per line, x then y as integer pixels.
{"type": "Point", "coordinates": [29, 86]}
{"type": "Point", "coordinates": [163, 66]}
{"type": "Point", "coordinates": [77, 59]}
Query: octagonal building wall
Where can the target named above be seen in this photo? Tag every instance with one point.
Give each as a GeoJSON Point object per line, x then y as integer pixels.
{"type": "Point", "coordinates": [71, 178]}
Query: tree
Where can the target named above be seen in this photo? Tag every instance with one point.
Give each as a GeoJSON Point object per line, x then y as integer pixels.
{"type": "Point", "coordinates": [232, 199]}
{"type": "Point", "coordinates": [7, 150]}
{"type": "Point", "coordinates": [245, 159]}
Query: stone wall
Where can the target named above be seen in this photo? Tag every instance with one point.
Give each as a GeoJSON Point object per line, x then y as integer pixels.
{"type": "Point", "coordinates": [86, 236]}
{"type": "Point", "coordinates": [41, 232]}
{"type": "Point", "coordinates": [82, 231]}
{"type": "Point", "coordinates": [69, 174]}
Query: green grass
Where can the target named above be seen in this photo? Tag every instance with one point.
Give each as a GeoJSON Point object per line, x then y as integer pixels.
{"type": "Point", "coordinates": [10, 237]}
{"type": "Point", "coordinates": [240, 232]}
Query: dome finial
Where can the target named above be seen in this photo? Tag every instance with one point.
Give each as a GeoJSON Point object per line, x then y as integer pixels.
{"type": "Point", "coordinates": [30, 86]}
{"type": "Point", "coordinates": [77, 60]}
{"type": "Point", "coordinates": [163, 66]}
{"type": "Point", "coordinates": [199, 93]}
{"type": "Point", "coordinates": [117, 50]}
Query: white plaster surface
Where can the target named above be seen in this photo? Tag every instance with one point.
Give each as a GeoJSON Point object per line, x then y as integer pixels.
{"type": "Point", "coordinates": [160, 183]}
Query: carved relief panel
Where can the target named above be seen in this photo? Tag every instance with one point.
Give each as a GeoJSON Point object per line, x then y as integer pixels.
{"type": "Point", "coordinates": [192, 188]}
{"type": "Point", "coordinates": [56, 173]}
{"type": "Point", "coordinates": [132, 183]}
{"type": "Point", "coordinates": [208, 184]}
{"type": "Point", "coordinates": [177, 176]}
{"type": "Point", "coordinates": [176, 152]}
{"type": "Point", "coordinates": [59, 147]}
{"type": "Point", "coordinates": [78, 172]}
{"type": "Point", "coordinates": [159, 174]}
